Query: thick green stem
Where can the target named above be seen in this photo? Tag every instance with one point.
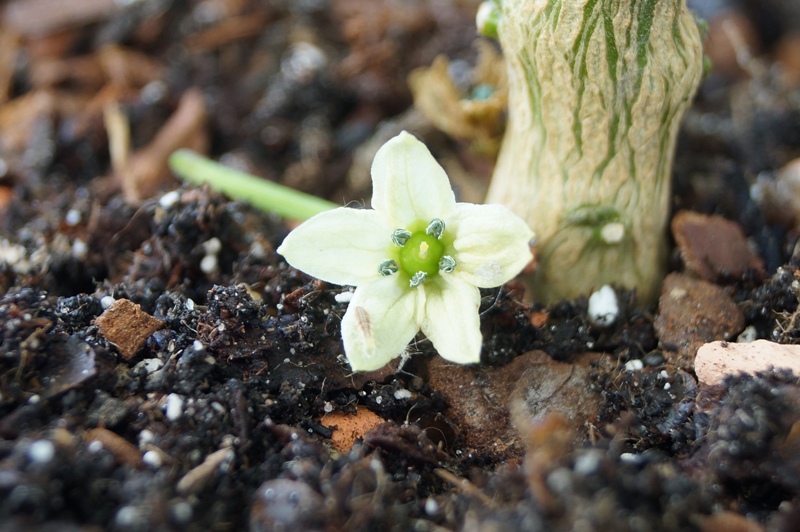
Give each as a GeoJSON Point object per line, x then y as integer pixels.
{"type": "Point", "coordinates": [597, 92]}
{"type": "Point", "coordinates": [260, 193]}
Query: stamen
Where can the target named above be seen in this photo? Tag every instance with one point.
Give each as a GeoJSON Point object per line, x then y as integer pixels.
{"type": "Point", "coordinates": [435, 228]}
{"type": "Point", "coordinates": [447, 264]}
{"type": "Point", "coordinates": [400, 237]}
{"type": "Point", "coordinates": [417, 279]}
{"type": "Point", "coordinates": [388, 267]}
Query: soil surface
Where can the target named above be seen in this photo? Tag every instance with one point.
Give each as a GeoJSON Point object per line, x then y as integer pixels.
{"type": "Point", "coordinates": [162, 368]}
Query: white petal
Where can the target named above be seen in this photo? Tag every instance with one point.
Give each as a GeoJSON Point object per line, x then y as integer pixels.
{"type": "Point", "coordinates": [491, 244]}
{"type": "Point", "coordinates": [379, 323]}
{"type": "Point", "coordinates": [342, 246]}
{"type": "Point", "coordinates": [451, 319]}
{"type": "Point", "coordinates": [408, 184]}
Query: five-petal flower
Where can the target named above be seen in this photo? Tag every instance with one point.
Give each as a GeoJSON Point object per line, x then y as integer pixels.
{"type": "Point", "coordinates": [417, 259]}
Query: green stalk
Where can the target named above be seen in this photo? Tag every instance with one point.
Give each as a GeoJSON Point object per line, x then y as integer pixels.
{"type": "Point", "coordinates": [261, 193]}
{"type": "Point", "coordinates": [597, 90]}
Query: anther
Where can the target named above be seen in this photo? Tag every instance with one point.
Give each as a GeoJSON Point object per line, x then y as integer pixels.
{"type": "Point", "coordinates": [417, 279]}
{"type": "Point", "coordinates": [447, 264]}
{"type": "Point", "coordinates": [435, 228]}
{"type": "Point", "coordinates": [388, 267]}
{"type": "Point", "coordinates": [400, 237]}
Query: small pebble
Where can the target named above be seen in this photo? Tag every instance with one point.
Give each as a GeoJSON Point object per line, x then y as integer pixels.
{"type": "Point", "coordinates": [80, 249]}
{"type": "Point", "coordinates": [169, 199]}
{"type": "Point", "coordinates": [151, 365]}
{"type": "Point", "coordinates": [145, 437]}
{"type": "Point", "coordinates": [209, 264]}
{"type": "Point", "coordinates": [73, 217]}
{"type": "Point", "coordinates": [587, 463]}
{"type": "Point", "coordinates": [174, 407]}
{"type": "Point", "coordinates": [95, 446]}
{"type": "Point", "coordinates": [152, 459]}
{"type": "Point", "coordinates": [401, 394]}
{"type": "Point", "coordinates": [630, 458]}
{"type": "Point", "coordinates": [41, 451]}
{"type": "Point", "coordinates": [634, 365]}
{"type": "Point", "coordinates": [431, 506]}
{"type": "Point", "coordinates": [343, 297]}
{"type": "Point", "coordinates": [653, 359]}
{"type": "Point", "coordinates": [182, 512]}
{"type": "Point", "coordinates": [151, 94]}
{"type": "Point", "coordinates": [603, 306]}
{"type": "Point", "coordinates": [749, 334]}
{"type": "Point", "coordinates": [129, 517]}
{"type": "Point", "coordinates": [213, 246]}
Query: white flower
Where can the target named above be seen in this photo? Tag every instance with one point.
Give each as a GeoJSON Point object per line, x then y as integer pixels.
{"type": "Point", "coordinates": [416, 259]}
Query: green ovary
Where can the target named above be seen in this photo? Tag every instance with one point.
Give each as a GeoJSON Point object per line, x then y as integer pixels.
{"type": "Point", "coordinates": [421, 253]}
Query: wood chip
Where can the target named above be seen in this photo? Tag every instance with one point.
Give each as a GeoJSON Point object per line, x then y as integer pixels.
{"type": "Point", "coordinates": [127, 326]}
{"type": "Point", "coordinates": [716, 360]}
{"type": "Point", "coordinates": [123, 450]}
{"type": "Point", "coordinates": [9, 48]}
{"type": "Point", "coordinates": [194, 481]}
{"type": "Point", "coordinates": [36, 18]}
{"type": "Point", "coordinates": [228, 31]}
{"type": "Point", "coordinates": [19, 116]}
{"type": "Point", "coordinates": [128, 67]}
{"type": "Point", "coordinates": [147, 170]}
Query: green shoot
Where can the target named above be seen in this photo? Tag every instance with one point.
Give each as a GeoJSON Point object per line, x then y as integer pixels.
{"type": "Point", "coordinates": [261, 193]}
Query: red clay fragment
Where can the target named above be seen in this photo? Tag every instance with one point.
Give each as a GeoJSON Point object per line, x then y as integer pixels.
{"type": "Point", "coordinates": [692, 312]}
{"type": "Point", "coordinates": [714, 248]}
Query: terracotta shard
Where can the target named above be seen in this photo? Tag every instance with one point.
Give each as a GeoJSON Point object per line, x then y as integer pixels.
{"type": "Point", "coordinates": [714, 248]}
{"type": "Point", "coordinates": [716, 360]}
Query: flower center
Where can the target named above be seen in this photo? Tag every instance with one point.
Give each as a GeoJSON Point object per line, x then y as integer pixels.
{"type": "Point", "coordinates": [421, 253]}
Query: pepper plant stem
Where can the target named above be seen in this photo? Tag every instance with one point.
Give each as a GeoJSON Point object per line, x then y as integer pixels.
{"type": "Point", "coordinates": [261, 193]}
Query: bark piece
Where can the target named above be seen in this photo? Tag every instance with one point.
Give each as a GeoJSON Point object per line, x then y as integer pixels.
{"type": "Point", "coordinates": [37, 18]}
{"type": "Point", "coordinates": [196, 479]}
{"type": "Point", "coordinates": [147, 172]}
{"type": "Point", "coordinates": [123, 450]}
{"type": "Point", "coordinates": [127, 326]}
